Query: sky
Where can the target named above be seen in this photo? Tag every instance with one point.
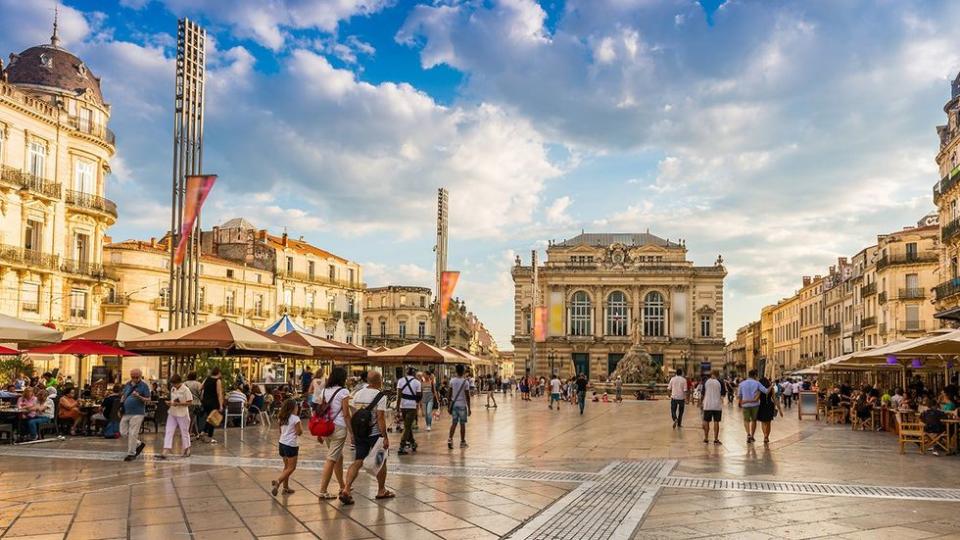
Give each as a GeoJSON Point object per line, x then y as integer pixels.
{"type": "Point", "coordinates": [781, 135]}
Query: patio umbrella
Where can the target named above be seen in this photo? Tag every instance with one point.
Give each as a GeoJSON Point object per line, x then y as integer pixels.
{"type": "Point", "coordinates": [473, 359]}
{"type": "Point", "coordinates": [8, 351]}
{"type": "Point", "coordinates": [418, 352]}
{"type": "Point", "coordinates": [115, 333]}
{"type": "Point", "coordinates": [13, 330]}
{"type": "Point", "coordinates": [284, 325]}
{"type": "Point", "coordinates": [223, 337]}
{"type": "Point", "coordinates": [323, 348]}
{"type": "Point", "coordinates": [945, 344]}
{"type": "Point", "coordinates": [81, 348]}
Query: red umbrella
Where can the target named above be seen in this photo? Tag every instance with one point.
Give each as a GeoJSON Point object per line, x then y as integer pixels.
{"type": "Point", "coordinates": [7, 350]}
{"type": "Point", "coordinates": [81, 347]}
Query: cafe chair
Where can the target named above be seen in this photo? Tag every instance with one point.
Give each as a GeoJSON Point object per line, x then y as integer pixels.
{"type": "Point", "coordinates": [150, 417]}
{"type": "Point", "coordinates": [6, 433]}
{"type": "Point", "coordinates": [836, 415]}
{"type": "Point", "coordinates": [910, 433]}
{"type": "Point", "coordinates": [865, 424]}
{"type": "Point", "coordinates": [48, 428]}
{"type": "Point", "coordinates": [935, 442]}
{"type": "Point", "coordinates": [234, 410]}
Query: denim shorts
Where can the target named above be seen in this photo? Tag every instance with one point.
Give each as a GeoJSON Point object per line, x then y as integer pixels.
{"type": "Point", "coordinates": [459, 415]}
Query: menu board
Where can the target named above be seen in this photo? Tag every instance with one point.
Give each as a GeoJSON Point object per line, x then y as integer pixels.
{"type": "Point", "coordinates": [808, 405]}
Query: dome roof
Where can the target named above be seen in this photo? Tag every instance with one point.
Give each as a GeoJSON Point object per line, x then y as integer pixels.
{"type": "Point", "coordinates": [53, 67]}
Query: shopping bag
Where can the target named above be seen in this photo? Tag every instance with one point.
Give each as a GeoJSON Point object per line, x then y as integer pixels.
{"type": "Point", "coordinates": [214, 418]}
{"type": "Point", "coordinates": [376, 459]}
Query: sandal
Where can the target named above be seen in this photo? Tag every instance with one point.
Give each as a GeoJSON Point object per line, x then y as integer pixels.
{"type": "Point", "coordinates": [346, 500]}
{"type": "Point", "coordinates": [705, 441]}
{"type": "Point", "coordinates": [327, 496]}
{"type": "Point", "coordinates": [275, 487]}
{"type": "Point", "coordinates": [288, 491]}
{"type": "Point", "coordinates": [717, 441]}
{"type": "Point", "coordinates": [386, 495]}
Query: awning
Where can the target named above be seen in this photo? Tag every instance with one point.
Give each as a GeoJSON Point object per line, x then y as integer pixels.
{"type": "Point", "coordinates": [224, 337]}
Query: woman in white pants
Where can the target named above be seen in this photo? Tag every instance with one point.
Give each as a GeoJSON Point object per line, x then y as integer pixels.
{"type": "Point", "coordinates": [178, 416]}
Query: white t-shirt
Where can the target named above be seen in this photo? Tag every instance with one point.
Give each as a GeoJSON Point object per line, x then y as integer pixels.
{"type": "Point", "coordinates": [334, 397]}
{"type": "Point", "coordinates": [712, 400]}
{"type": "Point", "coordinates": [678, 387]}
{"type": "Point", "coordinates": [555, 386]}
{"type": "Point", "coordinates": [412, 389]}
{"type": "Point", "coordinates": [317, 389]}
{"type": "Point", "coordinates": [364, 397]}
{"type": "Point", "coordinates": [788, 389]}
{"type": "Point", "coordinates": [183, 395]}
{"type": "Point", "coordinates": [288, 433]}
{"type": "Point", "coordinates": [797, 387]}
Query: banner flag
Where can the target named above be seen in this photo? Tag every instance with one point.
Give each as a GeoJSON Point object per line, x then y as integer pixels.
{"type": "Point", "coordinates": [555, 319]}
{"type": "Point", "coordinates": [540, 324]}
{"type": "Point", "coordinates": [448, 282]}
{"type": "Point", "coordinates": [198, 187]}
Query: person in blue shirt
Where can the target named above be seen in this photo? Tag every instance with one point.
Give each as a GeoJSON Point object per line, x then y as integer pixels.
{"type": "Point", "coordinates": [135, 395]}
{"type": "Point", "coordinates": [748, 399]}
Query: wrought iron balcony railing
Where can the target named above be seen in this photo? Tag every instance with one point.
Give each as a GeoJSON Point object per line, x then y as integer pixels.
{"type": "Point", "coordinates": [946, 289]}
{"type": "Point", "coordinates": [882, 297]}
{"type": "Point", "coordinates": [30, 182]}
{"type": "Point", "coordinates": [946, 183]}
{"type": "Point", "coordinates": [99, 131]}
{"type": "Point", "coordinates": [912, 326]}
{"type": "Point", "coordinates": [321, 279]}
{"type": "Point", "coordinates": [87, 269]}
{"type": "Point", "coordinates": [91, 202]}
{"type": "Point", "coordinates": [911, 293]}
{"type": "Point", "coordinates": [832, 328]}
{"type": "Point", "coordinates": [907, 258]}
{"type": "Point", "coordinates": [35, 260]}
{"type": "Point", "coordinates": [867, 290]}
{"type": "Point", "coordinates": [867, 322]}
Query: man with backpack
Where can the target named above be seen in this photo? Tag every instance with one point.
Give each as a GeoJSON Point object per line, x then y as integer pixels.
{"type": "Point", "coordinates": [409, 393]}
{"type": "Point", "coordinates": [459, 407]}
{"type": "Point", "coordinates": [366, 418]}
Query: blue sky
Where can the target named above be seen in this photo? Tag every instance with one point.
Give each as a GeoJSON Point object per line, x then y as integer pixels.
{"type": "Point", "coordinates": [779, 134]}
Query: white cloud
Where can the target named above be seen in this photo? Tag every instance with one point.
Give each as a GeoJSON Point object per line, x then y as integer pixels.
{"type": "Point", "coordinates": [557, 211]}
{"type": "Point", "coordinates": [382, 274]}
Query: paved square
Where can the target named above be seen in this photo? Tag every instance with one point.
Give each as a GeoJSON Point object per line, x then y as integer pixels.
{"type": "Point", "coordinates": [619, 471]}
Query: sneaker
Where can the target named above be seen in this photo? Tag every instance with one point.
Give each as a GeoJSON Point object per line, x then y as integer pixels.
{"type": "Point", "coordinates": [674, 424]}
{"type": "Point", "coordinates": [402, 452]}
{"type": "Point", "coordinates": [140, 448]}
{"type": "Point", "coordinates": [213, 441]}
{"type": "Point", "coordinates": [463, 444]}
{"type": "Point", "coordinates": [129, 458]}
{"type": "Point", "coordinates": [450, 444]}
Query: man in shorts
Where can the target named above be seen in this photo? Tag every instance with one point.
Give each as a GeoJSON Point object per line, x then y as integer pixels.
{"type": "Point", "coordinates": [748, 398]}
{"type": "Point", "coordinates": [359, 400]}
{"type": "Point", "coordinates": [678, 397]}
{"type": "Point", "coordinates": [712, 405]}
{"type": "Point", "coordinates": [459, 406]}
{"type": "Point", "coordinates": [555, 391]}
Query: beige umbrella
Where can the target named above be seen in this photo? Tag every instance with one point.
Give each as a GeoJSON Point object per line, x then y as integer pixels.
{"type": "Point", "coordinates": [418, 352]}
{"type": "Point", "coordinates": [223, 337]}
{"type": "Point", "coordinates": [115, 333]}
{"type": "Point", "coordinates": [13, 330]}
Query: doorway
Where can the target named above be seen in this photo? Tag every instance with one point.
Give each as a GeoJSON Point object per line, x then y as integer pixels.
{"type": "Point", "coordinates": [581, 364]}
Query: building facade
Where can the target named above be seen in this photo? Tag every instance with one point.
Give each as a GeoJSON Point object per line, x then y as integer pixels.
{"type": "Point", "coordinates": [811, 321]}
{"type": "Point", "coordinates": [786, 335]}
{"type": "Point", "coordinates": [946, 195]}
{"type": "Point", "coordinates": [55, 152]}
{"type": "Point", "coordinates": [605, 292]}
{"type": "Point", "coordinates": [838, 308]}
{"type": "Point", "coordinates": [906, 269]}
{"type": "Point", "coordinates": [398, 315]}
{"type": "Point", "coordinates": [321, 291]}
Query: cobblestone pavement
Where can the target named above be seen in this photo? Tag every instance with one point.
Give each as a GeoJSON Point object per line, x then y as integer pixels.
{"type": "Point", "coordinates": [619, 471]}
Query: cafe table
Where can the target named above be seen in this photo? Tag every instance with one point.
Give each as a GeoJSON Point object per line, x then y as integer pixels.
{"type": "Point", "coordinates": [953, 430]}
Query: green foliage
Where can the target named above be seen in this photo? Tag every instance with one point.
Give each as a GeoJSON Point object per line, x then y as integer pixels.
{"type": "Point", "coordinates": [205, 363]}
{"type": "Point", "coordinates": [10, 366]}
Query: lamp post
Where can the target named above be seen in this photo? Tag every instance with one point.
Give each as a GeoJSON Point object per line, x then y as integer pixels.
{"type": "Point", "coordinates": [552, 358]}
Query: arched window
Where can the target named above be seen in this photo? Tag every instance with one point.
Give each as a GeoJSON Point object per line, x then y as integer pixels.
{"type": "Point", "coordinates": [653, 321]}
{"type": "Point", "coordinates": [618, 316]}
{"type": "Point", "coordinates": [580, 314]}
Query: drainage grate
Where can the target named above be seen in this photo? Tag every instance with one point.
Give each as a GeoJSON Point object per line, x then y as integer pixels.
{"type": "Point", "coordinates": [813, 488]}
{"type": "Point", "coordinates": [486, 472]}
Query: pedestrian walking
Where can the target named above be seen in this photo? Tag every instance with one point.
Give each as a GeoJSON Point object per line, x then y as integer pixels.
{"type": "Point", "coordinates": [410, 393]}
{"type": "Point", "coordinates": [178, 417]}
{"type": "Point", "coordinates": [429, 401]}
{"type": "Point", "coordinates": [289, 447]}
{"type": "Point", "coordinates": [768, 408]}
{"type": "Point", "coordinates": [525, 387]}
{"type": "Point", "coordinates": [459, 407]}
{"type": "Point", "coordinates": [581, 385]}
{"type": "Point", "coordinates": [211, 399]}
{"type": "Point", "coordinates": [712, 405]}
{"type": "Point", "coordinates": [787, 393]}
{"type": "Point", "coordinates": [555, 391]}
{"type": "Point", "coordinates": [678, 397]}
{"type": "Point", "coordinates": [490, 389]}
{"type": "Point", "coordinates": [748, 399]}
{"type": "Point", "coordinates": [367, 423]}
{"type": "Point", "coordinates": [335, 398]}
{"type": "Point", "coordinates": [135, 395]}
{"type": "Point", "coordinates": [195, 409]}
{"type": "Point", "coordinates": [618, 388]}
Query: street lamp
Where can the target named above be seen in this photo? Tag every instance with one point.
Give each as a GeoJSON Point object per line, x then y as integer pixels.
{"type": "Point", "coordinates": [551, 359]}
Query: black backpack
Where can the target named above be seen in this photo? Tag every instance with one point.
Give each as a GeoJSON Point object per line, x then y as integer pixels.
{"type": "Point", "coordinates": [362, 421]}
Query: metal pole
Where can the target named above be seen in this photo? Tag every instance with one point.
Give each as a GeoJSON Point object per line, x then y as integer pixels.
{"type": "Point", "coordinates": [533, 314]}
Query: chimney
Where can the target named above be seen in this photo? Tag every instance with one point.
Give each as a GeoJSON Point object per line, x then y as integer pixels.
{"type": "Point", "coordinates": [806, 281]}
{"type": "Point", "coordinates": [284, 240]}
{"type": "Point", "coordinates": [262, 234]}
{"type": "Point", "coordinates": [153, 241]}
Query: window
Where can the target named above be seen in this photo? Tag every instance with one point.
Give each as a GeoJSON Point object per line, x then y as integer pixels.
{"type": "Point", "coordinates": [421, 329]}
{"type": "Point", "coordinates": [403, 299]}
{"type": "Point", "coordinates": [911, 250]}
{"type": "Point", "coordinates": [423, 301]}
{"type": "Point", "coordinates": [229, 273]}
{"type": "Point", "coordinates": [704, 326]}
{"type": "Point", "coordinates": [164, 294]}
{"type": "Point", "coordinates": [310, 300]}
{"type": "Point", "coordinates": [37, 159]}
{"type": "Point", "coordinates": [913, 283]}
{"type": "Point", "coordinates": [369, 302]}
{"type": "Point", "coordinates": [580, 310]}
{"type": "Point", "coordinates": [403, 329]}
{"type": "Point", "coordinates": [33, 236]}
{"type": "Point", "coordinates": [78, 304]}
{"type": "Point", "coordinates": [350, 306]}
{"type": "Point", "coordinates": [653, 314]}
{"type": "Point", "coordinates": [383, 328]}
{"type": "Point", "coordinates": [369, 328]}
{"type": "Point", "coordinates": [349, 338]}
{"type": "Point", "coordinates": [288, 297]}
{"type": "Point", "coordinates": [259, 278]}
{"type": "Point", "coordinates": [617, 314]}
{"type": "Point", "coordinates": [230, 301]}
{"type": "Point", "coordinates": [3, 141]}
{"type": "Point", "coordinates": [203, 297]}
{"type": "Point", "coordinates": [383, 301]}
{"type": "Point", "coordinates": [85, 123]}
{"type": "Point", "coordinates": [30, 301]}
{"type": "Point", "coordinates": [351, 276]}
{"type": "Point", "coordinates": [258, 305]}
{"type": "Point", "coordinates": [333, 272]}
{"type": "Point", "coordinates": [289, 265]}
{"type": "Point", "coordinates": [83, 178]}
{"type": "Point", "coordinates": [310, 269]}
{"type": "Point", "coordinates": [81, 248]}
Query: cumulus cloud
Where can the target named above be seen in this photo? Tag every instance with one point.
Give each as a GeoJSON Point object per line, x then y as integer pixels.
{"type": "Point", "coordinates": [557, 211]}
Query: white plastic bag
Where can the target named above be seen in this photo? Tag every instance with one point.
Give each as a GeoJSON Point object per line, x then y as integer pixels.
{"type": "Point", "coordinates": [377, 458]}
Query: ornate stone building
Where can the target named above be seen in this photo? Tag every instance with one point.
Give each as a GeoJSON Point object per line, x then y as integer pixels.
{"type": "Point", "coordinates": [811, 321]}
{"type": "Point", "coordinates": [786, 336]}
{"type": "Point", "coordinates": [946, 195]}
{"type": "Point", "coordinates": [603, 291]}
{"type": "Point", "coordinates": [55, 152]}
{"type": "Point", "coordinates": [396, 315]}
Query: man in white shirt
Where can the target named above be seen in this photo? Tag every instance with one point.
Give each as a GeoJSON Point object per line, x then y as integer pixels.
{"type": "Point", "coordinates": [797, 388]}
{"type": "Point", "coordinates": [363, 445]}
{"type": "Point", "coordinates": [712, 405]}
{"type": "Point", "coordinates": [555, 385]}
{"type": "Point", "coordinates": [409, 392]}
{"type": "Point", "coordinates": [787, 393]}
{"type": "Point", "coordinates": [678, 395]}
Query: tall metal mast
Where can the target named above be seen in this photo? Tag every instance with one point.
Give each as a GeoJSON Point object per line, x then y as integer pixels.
{"type": "Point", "coordinates": [534, 303]}
{"type": "Point", "coordinates": [443, 200]}
{"type": "Point", "coordinates": [183, 295]}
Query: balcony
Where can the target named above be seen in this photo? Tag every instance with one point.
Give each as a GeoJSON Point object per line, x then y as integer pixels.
{"type": "Point", "coordinates": [911, 294]}
{"type": "Point", "coordinates": [950, 230]}
{"type": "Point", "coordinates": [86, 269]}
{"type": "Point", "coordinates": [832, 328]}
{"type": "Point", "coordinates": [90, 202]}
{"type": "Point", "coordinates": [322, 280]}
{"type": "Point", "coordinates": [87, 127]}
{"type": "Point", "coordinates": [161, 304]}
{"type": "Point", "coordinates": [30, 182]}
{"type": "Point", "coordinates": [310, 313]}
{"type": "Point", "coordinates": [116, 299]}
{"type": "Point", "coordinates": [946, 289]}
{"type": "Point", "coordinates": [946, 183]}
{"type": "Point", "coordinates": [867, 322]}
{"type": "Point", "coordinates": [347, 316]}
{"type": "Point", "coordinates": [882, 297]}
{"type": "Point", "coordinates": [867, 290]}
{"type": "Point", "coordinates": [229, 311]}
{"type": "Point", "coordinates": [28, 258]}
{"type": "Point", "coordinates": [907, 258]}
{"type": "Point", "coordinates": [912, 326]}
{"type": "Point", "coordinates": [292, 311]}
{"type": "Point", "coordinates": [258, 314]}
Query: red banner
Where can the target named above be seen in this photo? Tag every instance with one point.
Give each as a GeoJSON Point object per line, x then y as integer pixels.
{"type": "Point", "coordinates": [198, 187]}
{"type": "Point", "coordinates": [540, 324]}
{"type": "Point", "coordinates": [448, 282]}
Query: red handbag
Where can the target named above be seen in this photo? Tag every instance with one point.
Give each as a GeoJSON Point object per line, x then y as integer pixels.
{"type": "Point", "coordinates": [321, 426]}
